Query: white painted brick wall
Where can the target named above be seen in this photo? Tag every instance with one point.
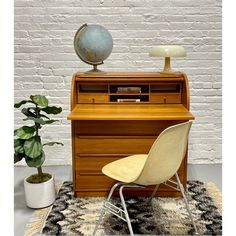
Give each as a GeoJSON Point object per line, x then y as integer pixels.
{"type": "Point", "coordinates": [45, 59]}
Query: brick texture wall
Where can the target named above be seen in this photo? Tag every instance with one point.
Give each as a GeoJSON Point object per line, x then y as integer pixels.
{"type": "Point", "coordinates": [45, 59]}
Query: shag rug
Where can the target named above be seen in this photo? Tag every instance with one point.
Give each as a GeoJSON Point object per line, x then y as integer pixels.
{"type": "Point", "coordinates": [164, 216]}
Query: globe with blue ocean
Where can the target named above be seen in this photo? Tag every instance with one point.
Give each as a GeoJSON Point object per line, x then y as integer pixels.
{"type": "Point", "coordinates": [93, 44]}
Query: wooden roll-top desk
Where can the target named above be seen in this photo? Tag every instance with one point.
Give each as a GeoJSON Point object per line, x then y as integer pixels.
{"type": "Point", "coordinates": [114, 115]}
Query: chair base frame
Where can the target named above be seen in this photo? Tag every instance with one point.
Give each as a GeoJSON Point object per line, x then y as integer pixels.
{"type": "Point", "coordinates": [123, 213]}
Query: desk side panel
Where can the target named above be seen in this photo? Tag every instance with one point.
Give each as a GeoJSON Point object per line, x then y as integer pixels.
{"type": "Point", "coordinates": [73, 96]}
{"type": "Point", "coordinates": [186, 93]}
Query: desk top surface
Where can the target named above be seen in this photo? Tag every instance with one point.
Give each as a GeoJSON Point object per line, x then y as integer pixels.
{"type": "Point", "coordinates": [129, 74]}
{"type": "Point", "coordinates": [130, 112]}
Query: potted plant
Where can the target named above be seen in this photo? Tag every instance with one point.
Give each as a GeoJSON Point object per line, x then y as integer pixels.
{"type": "Point", "coordinates": [39, 188]}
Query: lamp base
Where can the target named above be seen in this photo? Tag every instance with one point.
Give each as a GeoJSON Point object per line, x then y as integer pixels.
{"type": "Point", "coordinates": [167, 68]}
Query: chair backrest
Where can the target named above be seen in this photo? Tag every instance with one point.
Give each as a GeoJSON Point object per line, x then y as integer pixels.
{"type": "Point", "coordinates": [165, 155]}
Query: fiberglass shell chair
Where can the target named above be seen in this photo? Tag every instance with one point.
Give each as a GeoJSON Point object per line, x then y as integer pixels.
{"type": "Point", "coordinates": [154, 168]}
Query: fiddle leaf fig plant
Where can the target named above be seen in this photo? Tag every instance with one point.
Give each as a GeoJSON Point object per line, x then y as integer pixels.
{"type": "Point", "coordinates": [27, 141]}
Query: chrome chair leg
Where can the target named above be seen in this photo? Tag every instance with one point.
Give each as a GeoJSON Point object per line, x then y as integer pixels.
{"type": "Point", "coordinates": [125, 210]}
{"type": "Point", "coordinates": [153, 194]}
{"type": "Point", "coordinates": [103, 208]}
{"type": "Point", "coordinates": [186, 203]}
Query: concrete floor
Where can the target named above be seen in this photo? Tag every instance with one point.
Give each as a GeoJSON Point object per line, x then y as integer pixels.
{"type": "Point", "coordinates": [22, 214]}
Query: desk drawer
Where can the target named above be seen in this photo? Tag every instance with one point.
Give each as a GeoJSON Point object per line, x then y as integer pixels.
{"type": "Point", "coordinates": [96, 181]}
{"type": "Point", "coordinates": [93, 181]}
{"type": "Point", "coordinates": [94, 162]}
{"type": "Point", "coordinates": [121, 128]}
{"type": "Point", "coordinates": [126, 145]}
{"type": "Point", "coordinates": [93, 98]}
{"type": "Point", "coordinates": [165, 98]}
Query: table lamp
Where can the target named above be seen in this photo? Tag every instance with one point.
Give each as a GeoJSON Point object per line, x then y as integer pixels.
{"type": "Point", "coordinates": [167, 51]}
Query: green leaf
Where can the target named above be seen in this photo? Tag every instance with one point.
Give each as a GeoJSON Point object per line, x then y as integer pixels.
{"type": "Point", "coordinates": [27, 112]}
{"type": "Point", "coordinates": [18, 146]}
{"type": "Point", "coordinates": [33, 147]}
{"type": "Point", "coordinates": [50, 121]}
{"type": "Point", "coordinates": [36, 120]}
{"type": "Point", "coordinates": [41, 115]}
{"type": "Point", "coordinates": [52, 143]}
{"type": "Point", "coordinates": [52, 110]}
{"type": "Point", "coordinates": [19, 104]}
{"type": "Point", "coordinates": [18, 157]}
{"type": "Point", "coordinates": [39, 100]}
{"type": "Point", "coordinates": [35, 162]}
{"type": "Point", "coordinates": [40, 121]}
{"type": "Point", "coordinates": [25, 132]}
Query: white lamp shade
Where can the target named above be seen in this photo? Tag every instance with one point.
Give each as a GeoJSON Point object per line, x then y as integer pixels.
{"type": "Point", "coordinates": [167, 51]}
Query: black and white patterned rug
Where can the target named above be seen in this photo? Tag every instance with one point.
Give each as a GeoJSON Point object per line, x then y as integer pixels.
{"type": "Point", "coordinates": [164, 216]}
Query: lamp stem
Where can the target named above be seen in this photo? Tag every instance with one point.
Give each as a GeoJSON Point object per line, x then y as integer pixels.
{"type": "Point", "coordinates": [167, 67]}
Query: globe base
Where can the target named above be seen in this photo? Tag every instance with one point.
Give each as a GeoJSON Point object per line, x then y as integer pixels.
{"type": "Point", "coordinates": [94, 70]}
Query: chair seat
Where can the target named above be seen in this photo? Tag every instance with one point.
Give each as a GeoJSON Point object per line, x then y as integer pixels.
{"type": "Point", "coordinates": [127, 169]}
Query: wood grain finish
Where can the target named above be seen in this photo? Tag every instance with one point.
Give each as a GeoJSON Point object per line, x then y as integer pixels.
{"type": "Point", "coordinates": [104, 130]}
{"type": "Point", "coordinates": [130, 75]}
{"type": "Point", "coordinates": [165, 98]}
{"type": "Point", "coordinates": [93, 98]}
{"type": "Point", "coordinates": [130, 112]}
{"type": "Point", "coordinates": [93, 184]}
{"type": "Point", "coordinates": [114, 144]}
{"type": "Point", "coordinates": [122, 127]}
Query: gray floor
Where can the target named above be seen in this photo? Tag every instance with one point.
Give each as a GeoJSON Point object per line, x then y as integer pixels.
{"type": "Point", "coordinates": [22, 213]}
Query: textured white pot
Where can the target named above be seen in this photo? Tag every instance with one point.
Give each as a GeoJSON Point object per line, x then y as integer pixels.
{"type": "Point", "coordinates": [39, 195]}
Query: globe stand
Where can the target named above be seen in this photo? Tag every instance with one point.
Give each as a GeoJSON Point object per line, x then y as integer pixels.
{"type": "Point", "coordinates": [94, 70]}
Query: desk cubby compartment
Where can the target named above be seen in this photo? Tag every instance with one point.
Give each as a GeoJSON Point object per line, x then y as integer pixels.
{"type": "Point", "coordinates": [168, 93]}
{"type": "Point", "coordinates": [129, 88]}
{"type": "Point", "coordinates": [92, 93]}
{"type": "Point", "coordinates": [166, 88]}
{"type": "Point", "coordinates": [129, 93]}
{"type": "Point", "coordinates": [92, 88]}
{"type": "Point", "coordinates": [129, 98]}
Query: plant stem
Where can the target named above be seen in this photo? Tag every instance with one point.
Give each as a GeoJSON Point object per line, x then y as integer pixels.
{"type": "Point", "coordinates": [40, 172]}
{"type": "Point", "coordinates": [37, 116]}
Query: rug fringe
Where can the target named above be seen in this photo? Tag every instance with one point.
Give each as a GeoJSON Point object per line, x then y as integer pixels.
{"type": "Point", "coordinates": [215, 194]}
{"type": "Point", "coordinates": [37, 221]}
{"type": "Point", "coordinates": [39, 217]}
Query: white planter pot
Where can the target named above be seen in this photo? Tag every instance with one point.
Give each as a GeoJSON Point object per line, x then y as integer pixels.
{"type": "Point", "coordinates": [39, 195]}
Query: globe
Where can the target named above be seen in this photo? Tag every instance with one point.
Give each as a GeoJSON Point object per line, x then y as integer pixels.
{"type": "Point", "coordinates": [93, 44]}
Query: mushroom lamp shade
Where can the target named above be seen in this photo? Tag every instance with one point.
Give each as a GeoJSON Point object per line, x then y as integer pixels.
{"type": "Point", "coordinates": [167, 51]}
